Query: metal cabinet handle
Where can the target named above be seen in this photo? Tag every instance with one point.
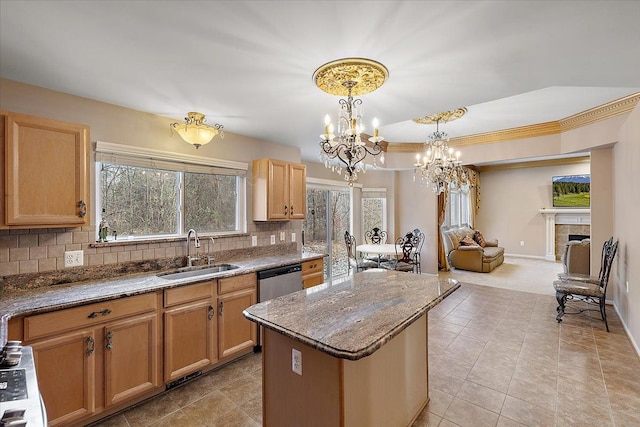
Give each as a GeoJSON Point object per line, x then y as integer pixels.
{"type": "Point", "coordinates": [109, 343]}
{"type": "Point", "coordinates": [83, 209]}
{"type": "Point", "coordinates": [95, 314]}
{"type": "Point", "coordinates": [91, 346]}
{"type": "Point", "coordinates": [220, 307]}
{"type": "Point", "coordinates": [285, 209]}
{"type": "Point", "coordinates": [291, 209]}
{"type": "Point", "coordinates": [211, 312]}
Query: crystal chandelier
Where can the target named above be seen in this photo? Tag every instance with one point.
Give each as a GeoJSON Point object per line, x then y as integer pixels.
{"type": "Point", "coordinates": [195, 131]}
{"type": "Point", "coordinates": [345, 152]}
{"type": "Point", "coordinates": [439, 166]}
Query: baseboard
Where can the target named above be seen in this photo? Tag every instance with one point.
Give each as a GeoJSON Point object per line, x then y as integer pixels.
{"type": "Point", "coordinates": [626, 329]}
{"type": "Point", "coordinates": [526, 256]}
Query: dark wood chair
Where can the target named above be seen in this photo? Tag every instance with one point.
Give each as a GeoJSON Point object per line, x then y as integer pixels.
{"type": "Point", "coordinates": [353, 261]}
{"type": "Point", "coordinates": [582, 287]}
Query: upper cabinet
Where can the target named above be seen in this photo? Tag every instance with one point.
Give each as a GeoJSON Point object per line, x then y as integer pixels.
{"type": "Point", "coordinates": [279, 190]}
{"type": "Point", "coordinates": [46, 179]}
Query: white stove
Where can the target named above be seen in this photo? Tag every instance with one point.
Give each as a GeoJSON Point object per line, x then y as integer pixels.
{"type": "Point", "coordinates": [20, 401]}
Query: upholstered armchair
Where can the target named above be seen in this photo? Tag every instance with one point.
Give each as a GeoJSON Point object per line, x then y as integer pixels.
{"type": "Point", "coordinates": [465, 253]}
{"type": "Point", "coordinates": [576, 258]}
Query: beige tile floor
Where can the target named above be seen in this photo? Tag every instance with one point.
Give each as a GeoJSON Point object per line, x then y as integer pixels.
{"type": "Point", "coordinates": [497, 358]}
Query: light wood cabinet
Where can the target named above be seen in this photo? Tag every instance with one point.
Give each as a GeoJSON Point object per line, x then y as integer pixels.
{"type": "Point", "coordinates": [279, 190]}
{"type": "Point", "coordinates": [312, 273]}
{"type": "Point", "coordinates": [236, 334]}
{"type": "Point", "coordinates": [91, 357]}
{"type": "Point", "coordinates": [47, 179]}
{"type": "Point", "coordinates": [190, 329]}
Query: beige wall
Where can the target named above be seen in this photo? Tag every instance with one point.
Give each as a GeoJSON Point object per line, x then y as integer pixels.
{"type": "Point", "coordinates": [626, 202]}
{"type": "Point", "coordinates": [510, 205]}
{"type": "Point", "coordinates": [31, 251]}
{"type": "Point", "coordinates": [602, 187]}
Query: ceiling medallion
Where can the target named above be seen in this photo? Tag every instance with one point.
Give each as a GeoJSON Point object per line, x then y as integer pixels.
{"type": "Point", "coordinates": [367, 75]}
{"type": "Point", "coordinates": [444, 117]}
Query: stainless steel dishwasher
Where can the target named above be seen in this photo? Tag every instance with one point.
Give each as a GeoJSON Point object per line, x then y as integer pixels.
{"type": "Point", "coordinates": [276, 282]}
{"type": "Point", "coordinates": [279, 281]}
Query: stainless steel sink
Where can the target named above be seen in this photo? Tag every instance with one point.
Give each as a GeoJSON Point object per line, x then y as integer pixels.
{"type": "Point", "coordinates": [197, 271]}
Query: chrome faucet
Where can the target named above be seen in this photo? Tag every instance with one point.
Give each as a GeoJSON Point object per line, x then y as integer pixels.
{"type": "Point", "coordinates": [197, 245]}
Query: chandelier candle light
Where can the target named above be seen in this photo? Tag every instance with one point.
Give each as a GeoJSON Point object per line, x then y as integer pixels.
{"type": "Point", "coordinates": [350, 76]}
{"type": "Point", "coordinates": [195, 131]}
{"type": "Point", "coordinates": [439, 167]}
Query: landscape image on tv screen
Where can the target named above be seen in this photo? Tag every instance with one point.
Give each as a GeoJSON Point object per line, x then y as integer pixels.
{"type": "Point", "coordinates": [571, 191]}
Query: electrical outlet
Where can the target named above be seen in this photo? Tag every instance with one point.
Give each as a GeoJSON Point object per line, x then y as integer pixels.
{"type": "Point", "coordinates": [293, 237]}
{"type": "Point", "coordinates": [296, 361]}
{"type": "Point", "coordinates": [73, 258]}
{"type": "Point", "coordinates": [521, 242]}
{"type": "Point", "coordinates": [282, 236]}
{"type": "Point", "coordinates": [273, 239]}
{"type": "Point", "coordinates": [627, 286]}
{"type": "Point", "coordinates": [254, 240]}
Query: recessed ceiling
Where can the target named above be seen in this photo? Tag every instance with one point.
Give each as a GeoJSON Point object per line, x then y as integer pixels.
{"type": "Point", "coordinates": [248, 64]}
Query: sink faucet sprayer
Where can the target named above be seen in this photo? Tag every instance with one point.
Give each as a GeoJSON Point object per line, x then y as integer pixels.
{"type": "Point", "coordinates": [197, 245]}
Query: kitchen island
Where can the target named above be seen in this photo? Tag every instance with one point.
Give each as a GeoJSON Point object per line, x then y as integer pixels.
{"type": "Point", "coordinates": [349, 354]}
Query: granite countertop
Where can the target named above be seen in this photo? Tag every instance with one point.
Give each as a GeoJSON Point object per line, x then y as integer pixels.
{"type": "Point", "coordinates": [49, 298]}
{"type": "Point", "coordinates": [353, 318]}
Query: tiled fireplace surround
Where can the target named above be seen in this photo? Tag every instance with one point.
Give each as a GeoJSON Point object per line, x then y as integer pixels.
{"type": "Point", "coordinates": [28, 251]}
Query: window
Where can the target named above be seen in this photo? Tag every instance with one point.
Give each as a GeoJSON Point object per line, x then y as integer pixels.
{"type": "Point", "coordinates": [144, 197]}
{"type": "Point", "coordinates": [374, 209]}
{"type": "Point", "coordinates": [458, 207]}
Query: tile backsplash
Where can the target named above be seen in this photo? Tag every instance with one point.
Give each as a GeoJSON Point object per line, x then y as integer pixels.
{"type": "Point", "coordinates": [42, 250]}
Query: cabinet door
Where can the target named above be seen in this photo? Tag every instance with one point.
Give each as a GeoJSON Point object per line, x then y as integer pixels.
{"type": "Point", "coordinates": [235, 332]}
{"type": "Point", "coordinates": [297, 191]}
{"type": "Point", "coordinates": [312, 273]}
{"type": "Point", "coordinates": [131, 358]}
{"type": "Point", "coordinates": [47, 176]}
{"type": "Point", "coordinates": [65, 367]}
{"type": "Point", "coordinates": [278, 190]}
{"type": "Point", "coordinates": [190, 339]}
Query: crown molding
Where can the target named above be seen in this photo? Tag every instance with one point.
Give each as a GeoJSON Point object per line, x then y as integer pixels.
{"type": "Point", "coordinates": [611, 109]}
{"type": "Point", "coordinates": [534, 164]}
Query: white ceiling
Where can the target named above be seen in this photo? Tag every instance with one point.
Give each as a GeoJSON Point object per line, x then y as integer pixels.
{"type": "Point", "coordinates": [248, 64]}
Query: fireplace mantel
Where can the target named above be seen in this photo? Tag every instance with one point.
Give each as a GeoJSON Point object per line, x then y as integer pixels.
{"type": "Point", "coordinates": [561, 216]}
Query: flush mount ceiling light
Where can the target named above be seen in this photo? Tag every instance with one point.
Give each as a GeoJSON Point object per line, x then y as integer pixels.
{"type": "Point", "coordinates": [195, 131]}
{"type": "Point", "coordinates": [349, 77]}
{"type": "Point", "coordinates": [437, 166]}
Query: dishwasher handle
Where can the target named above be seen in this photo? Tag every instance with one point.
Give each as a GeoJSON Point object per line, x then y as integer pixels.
{"type": "Point", "coordinates": [278, 271]}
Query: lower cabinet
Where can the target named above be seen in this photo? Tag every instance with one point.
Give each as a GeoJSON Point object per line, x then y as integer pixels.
{"type": "Point", "coordinates": [312, 273]}
{"type": "Point", "coordinates": [190, 332]}
{"type": "Point", "coordinates": [86, 362]}
{"type": "Point", "coordinates": [236, 334]}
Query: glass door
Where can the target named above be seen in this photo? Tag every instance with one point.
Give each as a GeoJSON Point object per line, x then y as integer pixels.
{"type": "Point", "coordinates": [328, 217]}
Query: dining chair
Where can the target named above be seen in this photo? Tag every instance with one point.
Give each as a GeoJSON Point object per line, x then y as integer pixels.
{"type": "Point", "coordinates": [420, 236]}
{"type": "Point", "coordinates": [353, 261]}
{"type": "Point", "coordinates": [582, 287]}
{"type": "Point", "coordinates": [404, 261]}
{"type": "Point", "coordinates": [376, 236]}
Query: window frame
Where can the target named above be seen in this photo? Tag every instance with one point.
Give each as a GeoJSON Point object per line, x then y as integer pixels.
{"type": "Point", "coordinates": [381, 192]}
{"type": "Point", "coordinates": [181, 164]}
{"type": "Point", "coordinates": [460, 197]}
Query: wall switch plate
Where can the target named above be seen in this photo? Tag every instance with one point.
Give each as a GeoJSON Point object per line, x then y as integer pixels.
{"type": "Point", "coordinates": [296, 361]}
{"type": "Point", "coordinates": [73, 258]}
{"type": "Point", "coordinates": [282, 236]}
{"type": "Point", "coordinates": [521, 242]}
{"type": "Point", "coordinates": [627, 286]}
{"type": "Point", "coordinates": [254, 240]}
{"type": "Point", "coordinates": [273, 239]}
{"type": "Point", "coordinates": [293, 237]}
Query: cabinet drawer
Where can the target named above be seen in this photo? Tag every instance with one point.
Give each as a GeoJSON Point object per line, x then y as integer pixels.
{"type": "Point", "coordinates": [310, 267]}
{"type": "Point", "coordinates": [312, 280]}
{"type": "Point", "coordinates": [68, 319]}
{"type": "Point", "coordinates": [235, 283]}
{"type": "Point", "coordinates": [188, 293]}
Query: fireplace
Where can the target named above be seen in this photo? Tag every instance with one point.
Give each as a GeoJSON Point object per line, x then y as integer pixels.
{"type": "Point", "coordinates": [578, 237]}
{"type": "Point", "coordinates": [560, 224]}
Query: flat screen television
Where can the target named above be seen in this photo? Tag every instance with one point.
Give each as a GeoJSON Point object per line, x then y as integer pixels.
{"type": "Point", "coordinates": [571, 191]}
